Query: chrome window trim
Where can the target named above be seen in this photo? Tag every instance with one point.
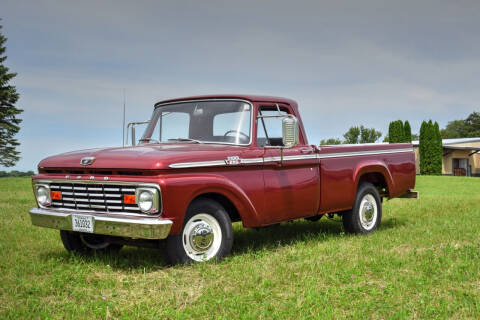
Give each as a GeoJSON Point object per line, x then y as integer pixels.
{"type": "Point", "coordinates": [217, 163]}
{"type": "Point", "coordinates": [213, 99]}
{"type": "Point", "coordinates": [123, 183]}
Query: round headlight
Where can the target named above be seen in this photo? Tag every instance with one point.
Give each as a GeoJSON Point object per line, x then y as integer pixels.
{"type": "Point", "coordinates": [145, 201]}
{"type": "Point", "coordinates": [43, 195]}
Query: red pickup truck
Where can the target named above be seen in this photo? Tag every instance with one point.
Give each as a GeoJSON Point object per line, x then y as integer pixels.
{"type": "Point", "coordinates": [205, 162]}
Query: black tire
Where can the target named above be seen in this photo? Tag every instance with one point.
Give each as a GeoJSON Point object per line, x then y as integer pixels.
{"type": "Point", "coordinates": [204, 218]}
{"type": "Point", "coordinates": [87, 243]}
{"type": "Point", "coordinates": [367, 198]}
{"type": "Point", "coordinates": [314, 218]}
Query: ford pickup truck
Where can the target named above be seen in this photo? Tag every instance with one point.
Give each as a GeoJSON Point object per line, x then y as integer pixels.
{"type": "Point", "coordinates": [206, 162]}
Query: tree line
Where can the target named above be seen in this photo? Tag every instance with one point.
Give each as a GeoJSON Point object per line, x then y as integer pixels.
{"type": "Point", "coordinates": [430, 138]}
{"type": "Point", "coordinates": [15, 173]}
{"type": "Point", "coordinates": [467, 128]}
{"type": "Point", "coordinates": [355, 135]}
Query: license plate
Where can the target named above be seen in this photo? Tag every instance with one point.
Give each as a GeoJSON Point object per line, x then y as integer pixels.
{"type": "Point", "coordinates": [82, 223]}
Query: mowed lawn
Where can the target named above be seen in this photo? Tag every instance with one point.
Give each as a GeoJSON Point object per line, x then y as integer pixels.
{"type": "Point", "coordinates": [424, 262]}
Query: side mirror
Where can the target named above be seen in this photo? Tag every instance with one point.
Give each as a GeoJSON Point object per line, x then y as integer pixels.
{"type": "Point", "coordinates": [131, 126]}
{"type": "Point", "coordinates": [290, 131]}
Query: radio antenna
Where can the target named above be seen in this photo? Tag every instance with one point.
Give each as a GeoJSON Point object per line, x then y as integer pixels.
{"type": "Point", "coordinates": [123, 127]}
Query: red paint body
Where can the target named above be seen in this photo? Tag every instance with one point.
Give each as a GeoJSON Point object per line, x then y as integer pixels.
{"type": "Point", "coordinates": [262, 193]}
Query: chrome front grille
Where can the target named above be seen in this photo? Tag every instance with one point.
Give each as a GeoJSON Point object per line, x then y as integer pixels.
{"type": "Point", "coordinates": [94, 197]}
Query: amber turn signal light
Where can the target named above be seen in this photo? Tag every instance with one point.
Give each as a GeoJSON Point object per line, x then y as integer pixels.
{"type": "Point", "coordinates": [129, 199]}
{"type": "Point", "coordinates": [56, 195]}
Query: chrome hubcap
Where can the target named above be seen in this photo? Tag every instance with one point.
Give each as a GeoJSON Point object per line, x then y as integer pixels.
{"type": "Point", "coordinates": [202, 237]}
{"type": "Point", "coordinates": [368, 211]}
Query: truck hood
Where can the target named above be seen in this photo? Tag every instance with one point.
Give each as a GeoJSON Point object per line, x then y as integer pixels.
{"type": "Point", "coordinates": [147, 157]}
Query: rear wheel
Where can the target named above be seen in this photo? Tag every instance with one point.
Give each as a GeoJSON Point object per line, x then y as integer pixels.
{"type": "Point", "coordinates": [207, 234]}
{"type": "Point", "coordinates": [314, 218]}
{"type": "Point", "coordinates": [366, 214]}
{"type": "Point", "coordinates": [87, 243]}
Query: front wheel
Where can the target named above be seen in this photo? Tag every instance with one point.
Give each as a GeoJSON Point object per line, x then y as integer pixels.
{"type": "Point", "coordinates": [207, 234]}
{"type": "Point", "coordinates": [366, 214]}
{"type": "Point", "coordinates": [87, 243]}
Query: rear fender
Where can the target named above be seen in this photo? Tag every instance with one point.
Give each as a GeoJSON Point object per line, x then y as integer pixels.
{"type": "Point", "coordinates": [373, 166]}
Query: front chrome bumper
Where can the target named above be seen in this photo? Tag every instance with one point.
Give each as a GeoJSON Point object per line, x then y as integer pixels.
{"type": "Point", "coordinates": [122, 226]}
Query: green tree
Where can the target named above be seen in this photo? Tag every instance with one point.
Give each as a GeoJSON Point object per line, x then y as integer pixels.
{"type": "Point", "coordinates": [473, 124]}
{"type": "Point", "coordinates": [468, 128]}
{"type": "Point", "coordinates": [352, 136]}
{"type": "Point", "coordinates": [396, 132]}
{"type": "Point", "coordinates": [422, 148]}
{"type": "Point", "coordinates": [361, 134]}
{"type": "Point", "coordinates": [438, 150]}
{"type": "Point", "coordinates": [330, 141]}
{"type": "Point", "coordinates": [9, 123]}
{"type": "Point", "coordinates": [369, 135]}
{"type": "Point", "coordinates": [430, 149]}
{"type": "Point", "coordinates": [407, 136]}
{"type": "Point", "coordinates": [391, 133]}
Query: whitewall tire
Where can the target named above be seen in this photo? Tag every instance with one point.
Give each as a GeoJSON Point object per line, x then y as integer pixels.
{"type": "Point", "coordinates": [207, 234]}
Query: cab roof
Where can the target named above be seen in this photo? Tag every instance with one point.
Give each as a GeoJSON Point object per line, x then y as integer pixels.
{"type": "Point", "coordinates": [252, 98]}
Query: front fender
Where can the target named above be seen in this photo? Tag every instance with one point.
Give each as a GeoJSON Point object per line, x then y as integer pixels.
{"type": "Point", "coordinates": [181, 189]}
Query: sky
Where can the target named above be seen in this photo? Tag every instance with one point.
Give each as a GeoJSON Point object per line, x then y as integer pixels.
{"type": "Point", "coordinates": [346, 63]}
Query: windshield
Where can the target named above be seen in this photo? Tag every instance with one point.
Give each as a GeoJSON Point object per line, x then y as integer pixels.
{"type": "Point", "coordinates": [227, 122]}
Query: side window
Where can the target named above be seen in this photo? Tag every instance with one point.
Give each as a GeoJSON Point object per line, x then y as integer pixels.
{"type": "Point", "coordinates": [172, 125]}
{"type": "Point", "coordinates": [269, 132]}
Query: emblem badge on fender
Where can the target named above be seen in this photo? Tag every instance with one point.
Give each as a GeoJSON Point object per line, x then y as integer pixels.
{"type": "Point", "coordinates": [233, 160]}
{"type": "Point", "coordinates": [87, 161]}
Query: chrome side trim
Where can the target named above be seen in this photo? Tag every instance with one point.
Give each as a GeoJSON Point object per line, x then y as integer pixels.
{"type": "Point", "coordinates": [363, 153]}
{"type": "Point", "coordinates": [292, 158]}
{"type": "Point", "coordinates": [218, 163]}
{"type": "Point", "coordinates": [199, 164]}
{"type": "Point", "coordinates": [251, 160]}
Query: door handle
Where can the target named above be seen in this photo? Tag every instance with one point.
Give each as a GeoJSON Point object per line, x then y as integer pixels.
{"type": "Point", "coordinates": [306, 150]}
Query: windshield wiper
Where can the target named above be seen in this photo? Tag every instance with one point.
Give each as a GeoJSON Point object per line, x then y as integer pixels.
{"type": "Point", "coordinates": [185, 140]}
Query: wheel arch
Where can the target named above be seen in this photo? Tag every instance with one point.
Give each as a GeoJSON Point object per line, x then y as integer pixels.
{"type": "Point", "coordinates": [224, 201]}
{"type": "Point", "coordinates": [218, 188]}
{"type": "Point", "coordinates": [377, 174]}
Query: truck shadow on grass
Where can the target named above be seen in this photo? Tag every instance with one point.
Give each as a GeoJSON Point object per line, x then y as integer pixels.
{"type": "Point", "coordinates": [246, 241]}
{"type": "Point", "coordinates": [289, 233]}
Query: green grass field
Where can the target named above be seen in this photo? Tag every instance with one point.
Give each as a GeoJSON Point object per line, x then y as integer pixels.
{"type": "Point", "coordinates": [423, 262]}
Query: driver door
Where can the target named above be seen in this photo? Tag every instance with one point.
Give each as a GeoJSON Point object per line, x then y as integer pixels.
{"type": "Point", "coordinates": [291, 185]}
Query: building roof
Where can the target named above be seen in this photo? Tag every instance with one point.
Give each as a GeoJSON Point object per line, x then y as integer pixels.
{"type": "Point", "coordinates": [447, 142]}
{"type": "Point", "coordinates": [461, 148]}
